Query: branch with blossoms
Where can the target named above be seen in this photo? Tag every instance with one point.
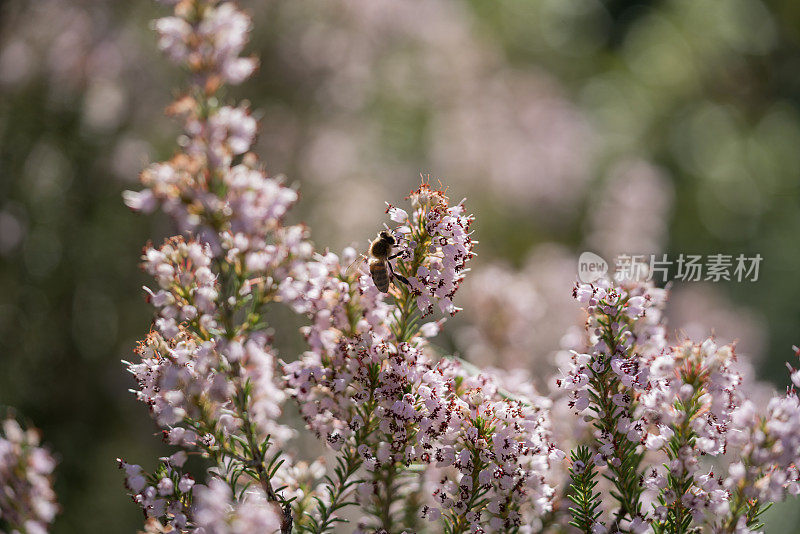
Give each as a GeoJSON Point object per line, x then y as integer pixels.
{"type": "Point", "coordinates": [769, 447]}
{"type": "Point", "coordinates": [366, 385]}
{"type": "Point", "coordinates": [208, 370]}
{"type": "Point", "coordinates": [692, 392]}
{"type": "Point", "coordinates": [27, 500]}
{"type": "Point", "coordinates": [369, 388]}
{"type": "Point", "coordinates": [600, 383]}
{"type": "Point", "coordinates": [660, 414]}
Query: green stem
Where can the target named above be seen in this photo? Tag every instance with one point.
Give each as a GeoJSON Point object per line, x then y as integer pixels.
{"type": "Point", "coordinates": [230, 283]}
{"type": "Point", "coordinates": [385, 500]}
{"type": "Point", "coordinates": [414, 501]}
{"type": "Point", "coordinates": [255, 448]}
{"type": "Point", "coordinates": [582, 492]}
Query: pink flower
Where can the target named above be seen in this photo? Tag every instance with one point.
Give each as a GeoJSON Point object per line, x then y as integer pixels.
{"type": "Point", "coordinates": [27, 500]}
{"type": "Point", "coordinates": [438, 234]}
{"type": "Point", "coordinates": [173, 37]}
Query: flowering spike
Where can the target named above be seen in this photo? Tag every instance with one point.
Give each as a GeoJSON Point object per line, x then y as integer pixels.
{"type": "Point", "coordinates": [27, 500]}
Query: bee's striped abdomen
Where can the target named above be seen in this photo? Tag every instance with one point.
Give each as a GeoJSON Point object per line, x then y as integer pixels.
{"type": "Point", "coordinates": [380, 276]}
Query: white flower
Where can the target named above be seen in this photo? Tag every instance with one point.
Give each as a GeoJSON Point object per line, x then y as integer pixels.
{"type": "Point", "coordinates": [185, 484]}
{"type": "Point", "coordinates": [144, 201]}
{"type": "Point", "coordinates": [173, 37]}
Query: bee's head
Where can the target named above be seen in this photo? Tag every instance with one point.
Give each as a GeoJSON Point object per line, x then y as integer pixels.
{"type": "Point", "coordinates": [386, 236]}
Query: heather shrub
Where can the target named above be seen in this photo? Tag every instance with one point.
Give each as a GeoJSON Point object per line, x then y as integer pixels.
{"type": "Point", "coordinates": [648, 437]}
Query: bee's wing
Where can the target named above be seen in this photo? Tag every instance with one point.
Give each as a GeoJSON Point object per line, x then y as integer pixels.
{"type": "Point", "coordinates": [356, 265]}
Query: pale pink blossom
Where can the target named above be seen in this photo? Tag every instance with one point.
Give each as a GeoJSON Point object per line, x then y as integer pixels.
{"type": "Point", "coordinates": [27, 500]}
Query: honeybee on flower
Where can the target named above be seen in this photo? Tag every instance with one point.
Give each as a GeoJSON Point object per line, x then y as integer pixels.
{"type": "Point", "coordinates": [431, 247]}
{"type": "Point", "coordinates": [379, 267]}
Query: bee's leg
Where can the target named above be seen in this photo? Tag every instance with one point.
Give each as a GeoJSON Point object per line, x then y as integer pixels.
{"type": "Point", "coordinates": [393, 256]}
{"type": "Point", "coordinates": [398, 276]}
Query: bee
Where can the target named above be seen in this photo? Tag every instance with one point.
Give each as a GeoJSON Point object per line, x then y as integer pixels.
{"type": "Point", "coordinates": [379, 267]}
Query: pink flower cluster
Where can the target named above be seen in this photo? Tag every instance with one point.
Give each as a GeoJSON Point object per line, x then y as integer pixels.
{"type": "Point", "coordinates": [629, 318]}
{"type": "Point", "coordinates": [677, 406]}
{"type": "Point", "coordinates": [496, 451]}
{"type": "Point", "coordinates": [208, 39]}
{"type": "Point", "coordinates": [687, 409]}
{"type": "Point", "coordinates": [226, 204]}
{"type": "Point", "coordinates": [215, 187]}
{"type": "Point", "coordinates": [190, 386]}
{"type": "Point", "coordinates": [703, 374]}
{"type": "Point", "coordinates": [187, 290]}
{"type": "Point", "coordinates": [356, 363]}
{"type": "Point", "coordinates": [435, 239]}
{"type": "Point", "coordinates": [776, 443]}
{"type": "Point", "coordinates": [355, 334]}
{"type": "Point", "coordinates": [415, 411]}
{"type": "Point", "coordinates": [217, 512]}
{"type": "Point", "coordinates": [769, 447]}
{"type": "Point", "coordinates": [164, 495]}
{"type": "Point", "coordinates": [368, 384]}
{"type": "Point", "coordinates": [27, 500]}
{"type": "Point", "coordinates": [208, 369]}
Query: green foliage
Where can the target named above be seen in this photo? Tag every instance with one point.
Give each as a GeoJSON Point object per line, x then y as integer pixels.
{"type": "Point", "coordinates": [755, 511]}
{"type": "Point", "coordinates": [583, 480]}
{"type": "Point", "coordinates": [338, 489]}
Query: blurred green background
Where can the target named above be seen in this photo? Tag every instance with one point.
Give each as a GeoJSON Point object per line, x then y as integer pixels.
{"type": "Point", "coordinates": [619, 126]}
